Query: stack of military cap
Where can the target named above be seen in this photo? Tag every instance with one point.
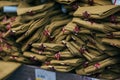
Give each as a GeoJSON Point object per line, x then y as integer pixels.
{"type": "Point", "coordinates": [96, 39]}
{"type": "Point", "coordinates": [79, 36]}
{"type": "Point", "coordinates": [12, 26]}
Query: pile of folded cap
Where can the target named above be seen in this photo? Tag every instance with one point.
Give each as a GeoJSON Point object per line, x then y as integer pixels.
{"type": "Point", "coordinates": [79, 36]}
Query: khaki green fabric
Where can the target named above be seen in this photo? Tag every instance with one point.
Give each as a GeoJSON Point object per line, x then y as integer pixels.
{"type": "Point", "coordinates": [58, 68]}
{"type": "Point", "coordinates": [49, 46]}
{"type": "Point", "coordinates": [76, 36]}
{"type": "Point", "coordinates": [98, 2]}
{"type": "Point", "coordinates": [70, 62]}
{"type": "Point", "coordinates": [7, 68]}
{"type": "Point", "coordinates": [97, 12]}
{"type": "Point", "coordinates": [74, 51]}
{"type": "Point", "coordinates": [109, 75]}
{"type": "Point", "coordinates": [41, 52]}
{"type": "Point", "coordinates": [21, 11]}
{"type": "Point", "coordinates": [92, 68]}
{"type": "Point", "coordinates": [36, 56]}
{"type": "Point", "coordinates": [112, 42]}
{"type": "Point", "coordinates": [65, 1]}
{"type": "Point", "coordinates": [93, 26]}
{"type": "Point", "coordinates": [63, 55]}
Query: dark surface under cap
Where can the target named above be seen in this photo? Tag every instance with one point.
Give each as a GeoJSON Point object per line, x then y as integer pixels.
{"type": "Point", "coordinates": [22, 74]}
